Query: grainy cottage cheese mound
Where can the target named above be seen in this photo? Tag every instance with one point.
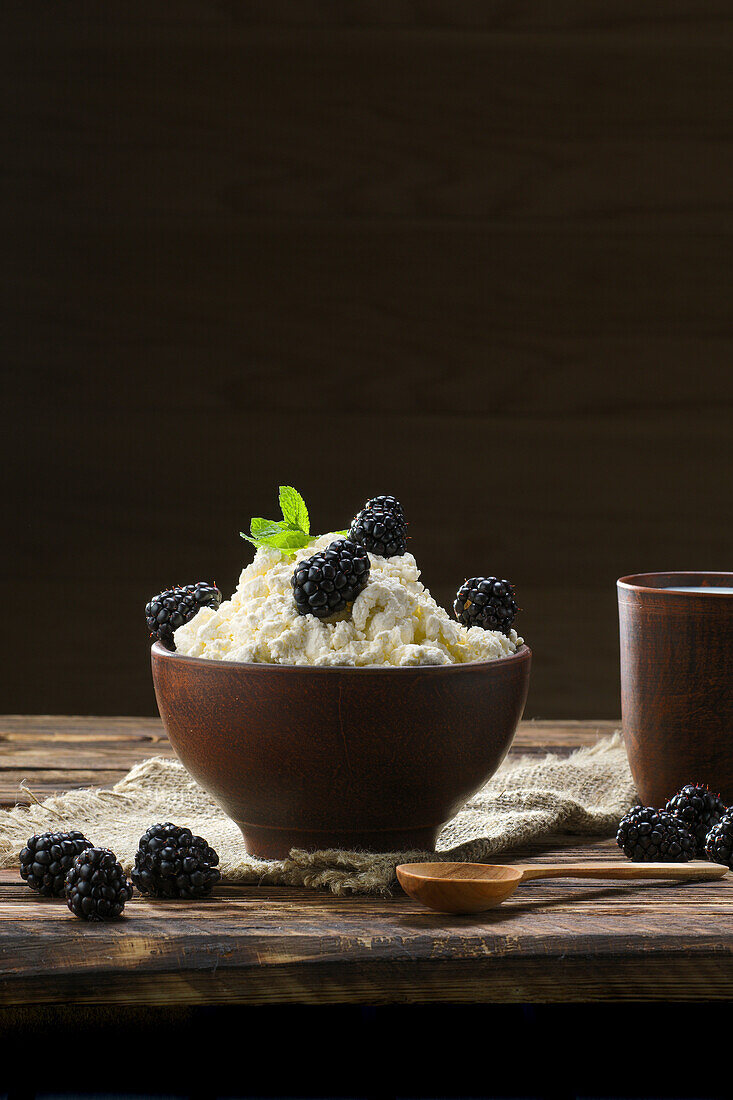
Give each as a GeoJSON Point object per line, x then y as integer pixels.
{"type": "Point", "coordinates": [393, 621]}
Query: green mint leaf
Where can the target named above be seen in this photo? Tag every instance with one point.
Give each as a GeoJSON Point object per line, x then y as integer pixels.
{"type": "Point", "coordinates": [282, 539]}
{"type": "Point", "coordinates": [262, 527]}
{"type": "Point", "coordinates": [294, 509]}
{"type": "Point", "coordinates": [289, 534]}
{"type": "Point", "coordinates": [287, 541]}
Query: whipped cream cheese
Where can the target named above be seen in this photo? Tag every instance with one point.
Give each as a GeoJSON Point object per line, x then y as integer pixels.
{"type": "Point", "coordinates": [393, 621]}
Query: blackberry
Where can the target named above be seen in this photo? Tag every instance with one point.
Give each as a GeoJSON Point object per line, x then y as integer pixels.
{"type": "Point", "coordinates": [381, 530]}
{"type": "Point", "coordinates": [719, 843]}
{"type": "Point", "coordinates": [385, 504]}
{"type": "Point", "coordinates": [698, 809]}
{"type": "Point", "coordinates": [176, 606]}
{"type": "Point", "coordinates": [486, 602]}
{"type": "Point", "coordinates": [96, 887]}
{"type": "Point", "coordinates": [647, 835]}
{"type": "Point", "coordinates": [331, 579]}
{"type": "Point", "coordinates": [173, 863]}
{"type": "Point", "coordinates": [46, 859]}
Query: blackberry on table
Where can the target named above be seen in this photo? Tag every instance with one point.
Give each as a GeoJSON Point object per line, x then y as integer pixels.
{"type": "Point", "coordinates": [331, 579]}
{"type": "Point", "coordinates": [96, 888]}
{"type": "Point", "coordinates": [486, 602]}
{"type": "Point", "coordinates": [698, 809]}
{"type": "Point", "coordinates": [719, 842]}
{"type": "Point", "coordinates": [173, 863]}
{"type": "Point", "coordinates": [646, 835]}
{"type": "Point", "coordinates": [380, 530]}
{"type": "Point", "coordinates": [176, 606]}
{"type": "Point", "coordinates": [46, 859]}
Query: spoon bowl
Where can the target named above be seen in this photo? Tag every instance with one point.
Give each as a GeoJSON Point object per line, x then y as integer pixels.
{"type": "Point", "coordinates": [474, 887]}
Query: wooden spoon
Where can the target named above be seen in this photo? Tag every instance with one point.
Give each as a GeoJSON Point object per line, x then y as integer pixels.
{"type": "Point", "coordinates": [473, 887]}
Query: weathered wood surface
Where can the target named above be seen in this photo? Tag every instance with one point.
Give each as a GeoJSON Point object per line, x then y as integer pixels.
{"type": "Point", "coordinates": [553, 941]}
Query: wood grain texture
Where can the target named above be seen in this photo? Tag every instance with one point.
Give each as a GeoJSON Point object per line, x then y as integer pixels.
{"type": "Point", "coordinates": [261, 946]}
{"type": "Point", "coordinates": [497, 235]}
{"type": "Point", "coordinates": [553, 942]}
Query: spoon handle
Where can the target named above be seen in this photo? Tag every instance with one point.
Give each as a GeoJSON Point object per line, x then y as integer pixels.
{"type": "Point", "coordinates": [697, 869]}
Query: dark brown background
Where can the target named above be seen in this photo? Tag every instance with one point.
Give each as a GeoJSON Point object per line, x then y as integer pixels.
{"type": "Point", "coordinates": [475, 254]}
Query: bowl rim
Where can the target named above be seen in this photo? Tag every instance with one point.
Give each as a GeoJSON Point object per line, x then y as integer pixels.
{"type": "Point", "coordinates": [634, 582]}
{"type": "Point", "coordinates": [523, 653]}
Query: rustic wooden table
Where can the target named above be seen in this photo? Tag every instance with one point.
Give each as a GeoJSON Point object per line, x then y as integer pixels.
{"type": "Point", "coordinates": [554, 942]}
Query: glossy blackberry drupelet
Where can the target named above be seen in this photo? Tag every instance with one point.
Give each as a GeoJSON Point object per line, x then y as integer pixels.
{"type": "Point", "coordinates": [173, 863]}
{"type": "Point", "coordinates": [646, 835]}
{"type": "Point", "coordinates": [176, 606]}
{"type": "Point", "coordinates": [47, 858]}
{"type": "Point", "coordinates": [385, 504]}
{"type": "Point", "coordinates": [698, 809]}
{"type": "Point", "coordinates": [486, 602]}
{"type": "Point", "coordinates": [331, 579]}
{"type": "Point", "coordinates": [719, 842]}
{"type": "Point", "coordinates": [380, 530]}
{"type": "Point", "coordinates": [96, 888]}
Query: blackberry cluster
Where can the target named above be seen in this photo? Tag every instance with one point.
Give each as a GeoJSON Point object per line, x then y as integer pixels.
{"type": "Point", "coordinates": [719, 841]}
{"type": "Point", "coordinates": [96, 888]}
{"type": "Point", "coordinates": [176, 606]}
{"type": "Point", "coordinates": [385, 504]}
{"type": "Point", "coordinates": [647, 835]}
{"type": "Point", "coordinates": [380, 527]}
{"type": "Point", "coordinates": [486, 602]}
{"type": "Point", "coordinates": [331, 579]}
{"type": "Point", "coordinates": [173, 863]}
{"type": "Point", "coordinates": [47, 858]}
{"type": "Point", "coordinates": [699, 810]}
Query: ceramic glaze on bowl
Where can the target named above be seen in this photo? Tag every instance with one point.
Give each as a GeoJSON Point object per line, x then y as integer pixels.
{"type": "Point", "coordinates": [356, 758]}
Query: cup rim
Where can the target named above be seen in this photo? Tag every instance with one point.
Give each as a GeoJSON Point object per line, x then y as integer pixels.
{"type": "Point", "coordinates": [522, 653]}
{"type": "Point", "coordinates": [635, 582]}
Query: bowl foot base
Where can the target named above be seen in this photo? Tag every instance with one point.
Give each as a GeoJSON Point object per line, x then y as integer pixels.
{"type": "Point", "coordinates": [265, 843]}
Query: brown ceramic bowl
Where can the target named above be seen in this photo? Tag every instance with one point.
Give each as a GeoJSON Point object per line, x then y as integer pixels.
{"type": "Point", "coordinates": [370, 758]}
{"type": "Point", "coordinates": [677, 682]}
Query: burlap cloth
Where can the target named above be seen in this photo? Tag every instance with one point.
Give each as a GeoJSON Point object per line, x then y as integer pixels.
{"type": "Point", "coordinates": [528, 800]}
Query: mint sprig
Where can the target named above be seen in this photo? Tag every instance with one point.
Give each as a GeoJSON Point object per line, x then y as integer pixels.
{"type": "Point", "coordinates": [293, 509]}
{"type": "Point", "coordinates": [289, 534]}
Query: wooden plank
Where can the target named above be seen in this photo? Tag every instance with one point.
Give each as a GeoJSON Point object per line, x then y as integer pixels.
{"type": "Point", "coordinates": [64, 727]}
{"type": "Point", "coordinates": [35, 755]}
{"type": "Point", "coordinates": [546, 905]}
{"type": "Point", "coordinates": [319, 949]}
{"type": "Point", "coordinates": [553, 941]}
{"type": "Point", "coordinates": [50, 754]}
{"type": "Point", "coordinates": [19, 729]}
{"type": "Point", "coordinates": [506, 981]}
